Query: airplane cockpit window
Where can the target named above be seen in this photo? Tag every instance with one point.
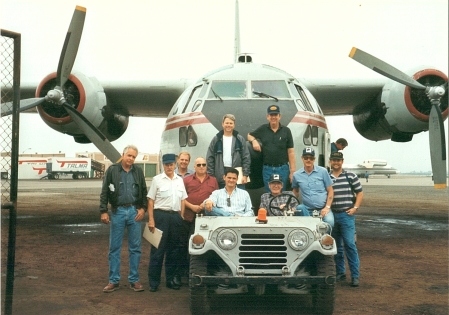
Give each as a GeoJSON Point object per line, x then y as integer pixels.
{"type": "Point", "coordinates": [227, 89]}
{"type": "Point", "coordinates": [269, 89]}
{"type": "Point", "coordinates": [310, 136]}
{"type": "Point", "coordinates": [301, 98]}
{"type": "Point", "coordinates": [192, 98]}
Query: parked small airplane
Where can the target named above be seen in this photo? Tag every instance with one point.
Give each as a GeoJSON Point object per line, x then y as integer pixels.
{"type": "Point", "coordinates": [91, 111]}
{"type": "Point", "coordinates": [373, 167]}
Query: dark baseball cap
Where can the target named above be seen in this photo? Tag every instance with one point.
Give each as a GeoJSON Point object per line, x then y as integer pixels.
{"type": "Point", "coordinates": [273, 109]}
{"type": "Point", "coordinates": [308, 151]}
{"type": "Point", "coordinates": [168, 158]}
{"type": "Point", "coordinates": [275, 178]}
{"type": "Point", "coordinates": [336, 156]}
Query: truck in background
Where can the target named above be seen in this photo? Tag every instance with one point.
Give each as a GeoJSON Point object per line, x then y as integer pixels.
{"type": "Point", "coordinates": [77, 167]}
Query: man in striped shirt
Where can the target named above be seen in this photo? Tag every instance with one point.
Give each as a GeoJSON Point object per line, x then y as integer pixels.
{"type": "Point", "coordinates": [345, 185]}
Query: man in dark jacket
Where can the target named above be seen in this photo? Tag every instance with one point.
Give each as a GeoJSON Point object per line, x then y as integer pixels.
{"type": "Point", "coordinates": [228, 149]}
{"type": "Point", "coordinates": [124, 187]}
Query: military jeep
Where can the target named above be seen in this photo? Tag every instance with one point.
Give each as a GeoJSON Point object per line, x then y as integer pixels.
{"type": "Point", "coordinates": [247, 255]}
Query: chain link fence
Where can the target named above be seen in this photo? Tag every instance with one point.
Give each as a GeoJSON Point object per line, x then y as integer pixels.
{"type": "Point", "coordinates": [9, 138]}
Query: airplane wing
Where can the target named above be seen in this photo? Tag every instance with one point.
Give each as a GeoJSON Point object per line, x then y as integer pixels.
{"type": "Point", "coordinates": [340, 96]}
{"type": "Point", "coordinates": [155, 98]}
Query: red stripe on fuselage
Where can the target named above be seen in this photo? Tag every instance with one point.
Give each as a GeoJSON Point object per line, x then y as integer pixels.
{"type": "Point", "coordinates": [186, 120]}
{"type": "Point", "coordinates": [198, 118]}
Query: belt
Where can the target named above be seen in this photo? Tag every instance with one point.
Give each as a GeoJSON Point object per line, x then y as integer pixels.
{"type": "Point", "coordinates": [168, 211]}
{"type": "Point", "coordinates": [275, 165]}
{"type": "Point", "coordinates": [126, 205]}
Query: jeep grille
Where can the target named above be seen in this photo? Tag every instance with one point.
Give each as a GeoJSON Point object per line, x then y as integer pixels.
{"type": "Point", "coordinates": [263, 251]}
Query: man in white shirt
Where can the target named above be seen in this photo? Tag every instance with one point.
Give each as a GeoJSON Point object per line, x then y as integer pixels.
{"type": "Point", "coordinates": [165, 211]}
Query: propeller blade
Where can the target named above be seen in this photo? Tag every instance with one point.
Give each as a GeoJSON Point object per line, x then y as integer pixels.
{"type": "Point", "coordinates": [437, 143]}
{"type": "Point", "coordinates": [384, 68]}
{"type": "Point", "coordinates": [71, 44]}
{"type": "Point", "coordinates": [24, 105]}
{"type": "Point", "coordinates": [94, 135]}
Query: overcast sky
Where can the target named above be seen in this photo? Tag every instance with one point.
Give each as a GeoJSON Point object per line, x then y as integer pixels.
{"type": "Point", "coordinates": [153, 39]}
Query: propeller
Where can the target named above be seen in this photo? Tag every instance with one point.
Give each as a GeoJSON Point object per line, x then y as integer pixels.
{"type": "Point", "coordinates": [437, 140]}
{"type": "Point", "coordinates": [56, 95]}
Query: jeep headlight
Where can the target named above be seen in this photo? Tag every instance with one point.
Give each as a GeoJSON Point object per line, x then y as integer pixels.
{"type": "Point", "coordinates": [298, 240]}
{"type": "Point", "coordinates": [227, 239]}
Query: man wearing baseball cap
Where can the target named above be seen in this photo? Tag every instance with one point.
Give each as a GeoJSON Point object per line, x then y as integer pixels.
{"type": "Point", "coordinates": [276, 200]}
{"type": "Point", "coordinates": [344, 207]}
{"type": "Point", "coordinates": [315, 186]}
{"type": "Point", "coordinates": [278, 154]}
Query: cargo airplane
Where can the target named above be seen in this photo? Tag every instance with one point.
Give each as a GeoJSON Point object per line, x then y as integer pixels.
{"type": "Point", "coordinates": [373, 167]}
{"type": "Point", "coordinates": [393, 107]}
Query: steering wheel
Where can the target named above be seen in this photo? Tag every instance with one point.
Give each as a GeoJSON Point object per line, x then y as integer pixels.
{"type": "Point", "coordinates": [291, 200]}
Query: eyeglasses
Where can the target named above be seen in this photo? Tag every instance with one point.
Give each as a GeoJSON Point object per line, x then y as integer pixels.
{"type": "Point", "coordinates": [308, 158]}
{"type": "Point", "coordinates": [201, 164]}
{"type": "Point", "coordinates": [228, 200]}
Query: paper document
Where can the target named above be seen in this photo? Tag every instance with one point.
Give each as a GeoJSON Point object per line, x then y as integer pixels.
{"type": "Point", "coordinates": [153, 238]}
{"type": "Point", "coordinates": [239, 180]}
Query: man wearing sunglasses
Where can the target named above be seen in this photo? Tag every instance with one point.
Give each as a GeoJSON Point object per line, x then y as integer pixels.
{"type": "Point", "coordinates": [315, 186]}
{"type": "Point", "coordinates": [230, 200]}
{"type": "Point", "coordinates": [199, 186]}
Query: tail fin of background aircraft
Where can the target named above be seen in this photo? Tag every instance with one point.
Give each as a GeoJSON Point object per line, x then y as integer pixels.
{"type": "Point", "coordinates": [237, 33]}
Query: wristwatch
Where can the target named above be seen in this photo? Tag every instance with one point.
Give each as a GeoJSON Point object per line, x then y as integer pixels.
{"type": "Point", "coordinates": [355, 208]}
{"type": "Point", "coordinates": [328, 207]}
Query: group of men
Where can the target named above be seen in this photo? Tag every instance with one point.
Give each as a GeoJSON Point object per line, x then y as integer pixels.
{"type": "Point", "coordinates": [179, 193]}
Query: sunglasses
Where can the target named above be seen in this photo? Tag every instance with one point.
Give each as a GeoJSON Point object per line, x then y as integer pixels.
{"type": "Point", "coordinates": [308, 158]}
{"type": "Point", "coordinates": [228, 201]}
{"type": "Point", "coordinates": [199, 165]}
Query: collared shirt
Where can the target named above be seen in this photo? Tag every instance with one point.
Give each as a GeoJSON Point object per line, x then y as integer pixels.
{"type": "Point", "coordinates": [128, 190]}
{"type": "Point", "coordinates": [189, 172]}
{"type": "Point", "coordinates": [312, 186]}
{"type": "Point", "coordinates": [239, 202]}
{"type": "Point", "coordinates": [275, 145]}
{"type": "Point", "coordinates": [197, 192]}
{"type": "Point", "coordinates": [342, 190]}
{"type": "Point", "coordinates": [280, 200]}
{"type": "Point", "coordinates": [167, 193]}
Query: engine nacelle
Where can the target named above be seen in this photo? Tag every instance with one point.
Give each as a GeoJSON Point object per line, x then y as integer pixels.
{"type": "Point", "coordinates": [87, 96]}
{"type": "Point", "coordinates": [399, 111]}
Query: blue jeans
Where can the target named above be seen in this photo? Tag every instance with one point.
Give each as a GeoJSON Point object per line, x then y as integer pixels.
{"type": "Point", "coordinates": [283, 170]}
{"type": "Point", "coordinates": [301, 212]}
{"type": "Point", "coordinates": [124, 218]}
{"type": "Point", "coordinates": [328, 218]}
{"type": "Point", "coordinates": [217, 212]}
{"type": "Point", "coordinates": [343, 233]}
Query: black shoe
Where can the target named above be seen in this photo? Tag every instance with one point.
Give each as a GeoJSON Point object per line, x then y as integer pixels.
{"type": "Point", "coordinates": [153, 289]}
{"type": "Point", "coordinates": [177, 280]}
{"type": "Point", "coordinates": [173, 285]}
{"type": "Point", "coordinates": [340, 277]}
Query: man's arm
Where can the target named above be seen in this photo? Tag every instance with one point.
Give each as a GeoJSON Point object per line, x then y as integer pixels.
{"type": "Point", "coordinates": [330, 197]}
{"type": "Point", "coordinates": [357, 203]}
{"type": "Point", "coordinates": [210, 157]}
{"type": "Point", "coordinates": [151, 223]}
{"type": "Point", "coordinates": [291, 162]}
{"type": "Point", "coordinates": [248, 211]}
{"type": "Point", "coordinates": [254, 142]}
{"type": "Point", "coordinates": [183, 206]}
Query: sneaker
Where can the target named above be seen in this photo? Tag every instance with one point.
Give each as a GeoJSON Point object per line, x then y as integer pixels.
{"type": "Point", "coordinates": [355, 282]}
{"type": "Point", "coordinates": [111, 287]}
{"type": "Point", "coordinates": [340, 277]}
{"type": "Point", "coordinates": [136, 286]}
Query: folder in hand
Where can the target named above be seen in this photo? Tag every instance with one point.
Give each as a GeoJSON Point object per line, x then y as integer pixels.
{"type": "Point", "coordinates": [153, 238]}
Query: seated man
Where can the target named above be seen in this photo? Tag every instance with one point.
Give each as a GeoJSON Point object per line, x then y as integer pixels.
{"type": "Point", "coordinates": [230, 200]}
{"type": "Point", "coordinates": [275, 201]}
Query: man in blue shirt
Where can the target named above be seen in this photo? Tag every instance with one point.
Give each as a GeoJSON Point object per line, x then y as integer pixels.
{"type": "Point", "coordinates": [315, 186]}
{"type": "Point", "coordinates": [230, 200]}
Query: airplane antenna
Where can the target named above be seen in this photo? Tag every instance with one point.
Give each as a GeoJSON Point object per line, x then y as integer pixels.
{"type": "Point", "coordinates": [237, 33]}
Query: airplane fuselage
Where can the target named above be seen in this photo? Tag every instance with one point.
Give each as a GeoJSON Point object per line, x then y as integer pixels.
{"type": "Point", "coordinates": [244, 90]}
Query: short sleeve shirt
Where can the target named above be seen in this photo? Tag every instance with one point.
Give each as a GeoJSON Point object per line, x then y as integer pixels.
{"type": "Point", "coordinates": [274, 144]}
{"type": "Point", "coordinates": [313, 186]}
{"type": "Point", "coordinates": [167, 193]}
